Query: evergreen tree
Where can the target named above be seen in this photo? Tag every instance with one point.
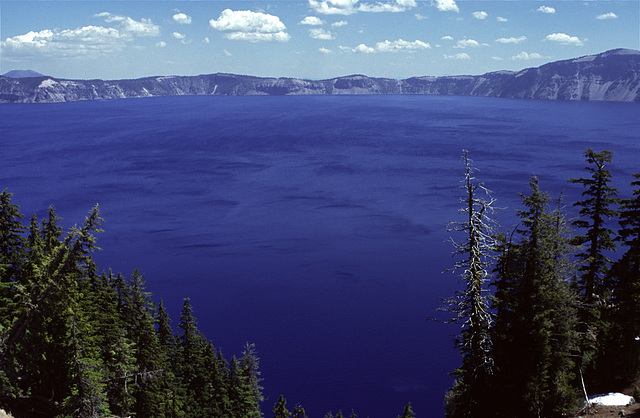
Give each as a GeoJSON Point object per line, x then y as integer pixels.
{"type": "Point", "coordinates": [619, 359]}
{"type": "Point", "coordinates": [534, 335]}
{"type": "Point", "coordinates": [597, 241]}
{"type": "Point", "coordinates": [298, 412]}
{"type": "Point", "coordinates": [280, 409]}
{"type": "Point", "coordinates": [249, 380]}
{"type": "Point", "coordinates": [408, 412]}
{"type": "Point", "coordinates": [470, 306]}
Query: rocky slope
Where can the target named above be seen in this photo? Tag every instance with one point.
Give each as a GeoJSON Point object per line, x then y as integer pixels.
{"type": "Point", "coordinates": [611, 76]}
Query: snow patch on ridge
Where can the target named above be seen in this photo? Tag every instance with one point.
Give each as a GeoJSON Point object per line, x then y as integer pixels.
{"type": "Point", "coordinates": [611, 399]}
{"type": "Point", "coordinates": [47, 83]}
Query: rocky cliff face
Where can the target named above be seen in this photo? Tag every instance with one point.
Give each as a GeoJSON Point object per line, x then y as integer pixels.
{"type": "Point", "coordinates": [611, 76]}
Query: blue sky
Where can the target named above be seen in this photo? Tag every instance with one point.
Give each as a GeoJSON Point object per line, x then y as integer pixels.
{"type": "Point", "coordinates": [312, 39]}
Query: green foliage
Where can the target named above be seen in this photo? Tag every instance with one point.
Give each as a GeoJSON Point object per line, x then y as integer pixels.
{"type": "Point", "coordinates": [298, 412]}
{"type": "Point", "coordinates": [280, 409]}
{"type": "Point", "coordinates": [407, 412]}
{"type": "Point", "coordinates": [85, 344]}
{"type": "Point", "coordinates": [535, 313]}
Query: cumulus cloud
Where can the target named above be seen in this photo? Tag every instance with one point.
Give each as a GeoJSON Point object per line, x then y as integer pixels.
{"type": "Point", "coordinates": [334, 7]}
{"type": "Point", "coordinates": [245, 25]}
{"type": "Point", "coordinates": [447, 6]}
{"type": "Point", "coordinates": [348, 7]}
{"type": "Point", "coordinates": [401, 45]}
{"type": "Point", "coordinates": [419, 16]}
{"type": "Point", "coordinates": [480, 15]}
{"type": "Point", "coordinates": [339, 24]}
{"type": "Point", "coordinates": [182, 19]}
{"type": "Point", "coordinates": [467, 43]}
{"type": "Point", "coordinates": [178, 35]}
{"type": "Point", "coordinates": [324, 50]}
{"type": "Point", "coordinates": [206, 40]}
{"type": "Point", "coordinates": [512, 40]}
{"type": "Point", "coordinates": [502, 19]}
{"type": "Point", "coordinates": [447, 38]}
{"type": "Point", "coordinates": [143, 27]}
{"type": "Point", "coordinates": [393, 46]}
{"type": "Point", "coordinates": [161, 44]}
{"type": "Point", "coordinates": [546, 9]}
{"type": "Point", "coordinates": [322, 34]}
{"type": "Point", "coordinates": [459, 56]}
{"type": "Point", "coordinates": [88, 40]}
{"type": "Point", "coordinates": [605, 16]}
{"type": "Point", "coordinates": [564, 39]}
{"type": "Point", "coordinates": [526, 56]}
{"type": "Point", "coordinates": [312, 21]}
{"type": "Point", "coordinates": [363, 49]}
{"type": "Point", "coordinates": [393, 7]}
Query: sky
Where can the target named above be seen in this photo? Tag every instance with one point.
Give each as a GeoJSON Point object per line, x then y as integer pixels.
{"type": "Point", "coordinates": [312, 39]}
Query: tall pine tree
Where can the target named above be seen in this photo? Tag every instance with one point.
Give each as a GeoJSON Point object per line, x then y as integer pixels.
{"type": "Point", "coordinates": [469, 306]}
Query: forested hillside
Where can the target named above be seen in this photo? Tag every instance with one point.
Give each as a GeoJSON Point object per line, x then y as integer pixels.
{"type": "Point", "coordinates": [75, 342]}
{"type": "Point", "coordinates": [551, 308]}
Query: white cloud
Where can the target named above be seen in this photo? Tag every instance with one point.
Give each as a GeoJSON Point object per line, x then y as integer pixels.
{"type": "Point", "coordinates": [526, 56]}
{"type": "Point", "coordinates": [245, 25]}
{"type": "Point", "coordinates": [312, 21]}
{"type": "Point", "coordinates": [459, 56]}
{"type": "Point", "coordinates": [334, 7]}
{"type": "Point", "coordinates": [161, 44]}
{"type": "Point", "coordinates": [393, 7]}
{"type": "Point", "coordinates": [393, 46]}
{"type": "Point", "coordinates": [564, 39]}
{"type": "Point", "coordinates": [206, 40]}
{"type": "Point", "coordinates": [348, 7]}
{"type": "Point", "coordinates": [497, 58]}
{"type": "Point", "coordinates": [480, 15]}
{"type": "Point", "coordinates": [339, 24]}
{"type": "Point", "coordinates": [512, 40]}
{"type": "Point", "coordinates": [143, 27]}
{"type": "Point", "coordinates": [324, 50]}
{"type": "Point", "coordinates": [322, 34]}
{"type": "Point", "coordinates": [401, 45]}
{"type": "Point", "coordinates": [546, 9]}
{"type": "Point", "coordinates": [502, 19]}
{"type": "Point", "coordinates": [447, 38]}
{"type": "Point", "coordinates": [362, 48]}
{"type": "Point", "coordinates": [605, 16]}
{"type": "Point", "coordinates": [178, 35]}
{"type": "Point", "coordinates": [421, 17]}
{"type": "Point", "coordinates": [182, 19]}
{"type": "Point", "coordinates": [447, 6]}
{"type": "Point", "coordinates": [88, 40]}
{"type": "Point", "coordinates": [467, 43]}
{"type": "Point", "coordinates": [227, 53]}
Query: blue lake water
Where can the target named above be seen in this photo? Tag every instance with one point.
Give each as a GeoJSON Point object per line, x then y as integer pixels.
{"type": "Point", "coordinates": [311, 226]}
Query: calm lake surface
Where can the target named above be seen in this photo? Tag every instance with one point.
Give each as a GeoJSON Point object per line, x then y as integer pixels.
{"type": "Point", "coordinates": [310, 226]}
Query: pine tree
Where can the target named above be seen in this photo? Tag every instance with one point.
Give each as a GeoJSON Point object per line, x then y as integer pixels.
{"type": "Point", "coordinates": [407, 412]}
{"type": "Point", "coordinates": [249, 380]}
{"type": "Point", "coordinates": [280, 409]}
{"type": "Point", "coordinates": [597, 241]}
{"type": "Point", "coordinates": [620, 354]}
{"type": "Point", "coordinates": [534, 335]}
{"type": "Point", "coordinates": [594, 212]}
{"type": "Point", "coordinates": [470, 306]}
{"type": "Point", "coordinates": [298, 412]}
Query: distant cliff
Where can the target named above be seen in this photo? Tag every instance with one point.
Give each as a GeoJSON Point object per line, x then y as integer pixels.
{"type": "Point", "coordinates": [610, 76]}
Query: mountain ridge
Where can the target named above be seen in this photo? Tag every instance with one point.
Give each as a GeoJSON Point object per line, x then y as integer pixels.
{"type": "Point", "coordinates": [613, 75]}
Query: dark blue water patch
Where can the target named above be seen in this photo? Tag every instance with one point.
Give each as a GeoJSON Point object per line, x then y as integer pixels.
{"type": "Point", "coordinates": [312, 226]}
